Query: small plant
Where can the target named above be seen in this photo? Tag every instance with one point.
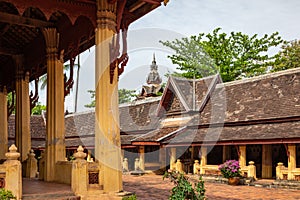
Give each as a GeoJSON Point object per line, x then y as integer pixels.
{"type": "Point", "coordinates": [231, 168]}
{"type": "Point", "coordinates": [6, 194]}
{"type": "Point", "coordinates": [183, 188]}
{"type": "Point", "coordinates": [131, 197]}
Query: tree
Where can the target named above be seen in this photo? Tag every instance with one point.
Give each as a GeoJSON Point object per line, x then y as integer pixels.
{"type": "Point", "coordinates": [37, 110]}
{"type": "Point", "coordinates": [289, 56]}
{"type": "Point", "coordinates": [93, 103]}
{"type": "Point", "coordinates": [124, 96]}
{"type": "Point", "coordinates": [234, 56]}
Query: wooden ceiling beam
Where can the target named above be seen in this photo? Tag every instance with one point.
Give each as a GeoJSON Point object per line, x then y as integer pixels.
{"type": "Point", "coordinates": [8, 52]}
{"type": "Point", "coordinates": [136, 5]}
{"type": "Point", "coordinates": [23, 21]}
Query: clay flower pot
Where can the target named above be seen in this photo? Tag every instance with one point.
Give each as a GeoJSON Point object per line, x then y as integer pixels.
{"type": "Point", "coordinates": [233, 180]}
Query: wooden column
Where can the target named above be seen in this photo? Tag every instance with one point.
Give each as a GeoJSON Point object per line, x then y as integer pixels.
{"type": "Point", "coordinates": [266, 161]}
{"type": "Point", "coordinates": [242, 155]}
{"type": "Point", "coordinates": [172, 156]}
{"type": "Point", "coordinates": [291, 160]}
{"type": "Point", "coordinates": [203, 156]}
{"type": "Point", "coordinates": [22, 123]}
{"type": "Point", "coordinates": [162, 158]}
{"type": "Point", "coordinates": [225, 153]}
{"type": "Point", "coordinates": [107, 131]}
{"type": "Point", "coordinates": [3, 123]}
{"type": "Point", "coordinates": [142, 157]}
{"type": "Point", "coordinates": [55, 141]}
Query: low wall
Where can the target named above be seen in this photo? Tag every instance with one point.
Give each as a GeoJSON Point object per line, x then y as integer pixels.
{"type": "Point", "coordinates": [63, 172]}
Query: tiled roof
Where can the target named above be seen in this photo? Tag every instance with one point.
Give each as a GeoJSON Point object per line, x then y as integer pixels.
{"type": "Point", "coordinates": [80, 124]}
{"type": "Point", "coordinates": [270, 96]}
{"type": "Point", "coordinates": [183, 95]}
{"type": "Point", "coordinates": [153, 136]}
{"type": "Point", "coordinates": [282, 130]}
{"type": "Point", "coordinates": [37, 129]}
{"type": "Point", "coordinates": [139, 116]}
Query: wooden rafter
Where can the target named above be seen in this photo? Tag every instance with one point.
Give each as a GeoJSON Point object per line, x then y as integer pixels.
{"type": "Point", "coordinates": [7, 51]}
{"type": "Point", "coordinates": [23, 21]}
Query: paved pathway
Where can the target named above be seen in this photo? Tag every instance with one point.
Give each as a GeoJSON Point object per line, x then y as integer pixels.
{"type": "Point", "coordinates": [152, 187]}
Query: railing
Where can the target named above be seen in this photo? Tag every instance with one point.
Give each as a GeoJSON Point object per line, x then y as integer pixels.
{"type": "Point", "coordinates": [283, 173]}
{"type": "Point", "coordinates": [247, 171]}
{"type": "Point", "coordinates": [2, 176]}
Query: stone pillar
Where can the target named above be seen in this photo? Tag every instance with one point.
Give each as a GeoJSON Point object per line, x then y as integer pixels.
{"type": "Point", "coordinates": [137, 164]}
{"type": "Point", "coordinates": [162, 158]}
{"type": "Point", "coordinates": [142, 157]}
{"type": "Point", "coordinates": [252, 170]}
{"type": "Point", "coordinates": [279, 167]}
{"type": "Point", "coordinates": [22, 123]}
{"type": "Point", "coordinates": [42, 166]}
{"type": "Point", "coordinates": [291, 160]}
{"type": "Point", "coordinates": [173, 158]}
{"type": "Point", "coordinates": [31, 165]}
{"type": "Point", "coordinates": [203, 159]}
{"type": "Point", "coordinates": [13, 179]}
{"type": "Point", "coordinates": [55, 141]}
{"type": "Point", "coordinates": [79, 181]}
{"type": "Point", "coordinates": [125, 165]}
{"type": "Point", "coordinates": [266, 161]}
{"type": "Point", "coordinates": [3, 123]}
{"type": "Point", "coordinates": [179, 167]}
{"type": "Point", "coordinates": [196, 167]}
{"type": "Point", "coordinates": [242, 157]}
{"type": "Point", "coordinates": [107, 131]}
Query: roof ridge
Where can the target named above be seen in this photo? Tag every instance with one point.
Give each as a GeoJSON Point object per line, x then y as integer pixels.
{"type": "Point", "coordinates": [264, 76]}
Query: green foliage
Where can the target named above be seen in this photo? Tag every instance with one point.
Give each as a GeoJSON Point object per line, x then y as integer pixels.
{"type": "Point", "coordinates": [126, 95]}
{"type": "Point", "coordinates": [37, 110]}
{"type": "Point", "coordinates": [93, 102]}
{"type": "Point", "coordinates": [9, 100]}
{"type": "Point", "coordinates": [289, 56]}
{"type": "Point", "coordinates": [183, 189]}
{"type": "Point", "coordinates": [6, 194]}
{"type": "Point", "coordinates": [131, 197]}
{"type": "Point", "coordinates": [234, 56]}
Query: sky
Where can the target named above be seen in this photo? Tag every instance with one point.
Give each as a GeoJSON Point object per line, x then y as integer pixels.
{"type": "Point", "coordinates": [183, 18]}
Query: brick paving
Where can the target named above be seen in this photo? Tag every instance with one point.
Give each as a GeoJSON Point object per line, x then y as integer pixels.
{"type": "Point", "coordinates": [152, 187]}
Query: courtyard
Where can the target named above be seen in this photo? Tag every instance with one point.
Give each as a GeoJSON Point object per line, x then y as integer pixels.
{"type": "Point", "coordinates": [153, 187]}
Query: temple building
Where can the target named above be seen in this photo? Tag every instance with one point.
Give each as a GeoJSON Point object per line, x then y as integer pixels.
{"type": "Point", "coordinates": [37, 38]}
{"type": "Point", "coordinates": [153, 82]}
{"type": "Point", "coordinates": [198, 124]}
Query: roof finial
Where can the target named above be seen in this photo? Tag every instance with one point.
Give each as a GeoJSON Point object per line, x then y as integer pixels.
{"type": "Point", "coordinates": [154, 57]}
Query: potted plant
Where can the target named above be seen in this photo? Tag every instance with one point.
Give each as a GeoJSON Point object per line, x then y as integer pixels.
{"type": "Point", "coordinates": [231, 170]}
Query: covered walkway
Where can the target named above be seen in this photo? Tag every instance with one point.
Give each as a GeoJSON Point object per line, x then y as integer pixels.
{"type": "Point", "coordinates": [35, 189]}
{"type": "Point", "coordinates": [153, 187]}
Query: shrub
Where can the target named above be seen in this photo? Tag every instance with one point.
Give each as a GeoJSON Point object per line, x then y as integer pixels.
{"type": "Point", "coordinates": [183, 189]}
{"type": "Point", "coordinates": [131, 197]}
{"type": "Point", "coordinates": [231, 168]}
{"type": "Point", "coordinates": [6, 194]}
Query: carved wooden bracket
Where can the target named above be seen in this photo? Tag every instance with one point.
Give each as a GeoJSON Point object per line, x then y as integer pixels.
{"type": "Point", "coordinates": [238, 150]}
{"type": "Point", "coordinates": [287, 151]}
{"type": "Point", "coordinates": [69, 83]}
{"type": "Point", "coordinates": [11, 106]}
{"type": "Point", "coordinates": [115, 61]}
{"type": "Point", "coordinates": [34, 98]}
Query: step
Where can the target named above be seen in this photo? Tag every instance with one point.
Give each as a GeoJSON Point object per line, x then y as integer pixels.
{"type": "Point", "coordinates": [52, 196]}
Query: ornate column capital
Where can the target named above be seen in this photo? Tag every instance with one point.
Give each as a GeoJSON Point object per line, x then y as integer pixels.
{"type": "Point", "coordinates": [107, 14]}
{"type": "Point", "coordinates": [52, 40]}
{"type": "Point", "coordinates": [19, 61]}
